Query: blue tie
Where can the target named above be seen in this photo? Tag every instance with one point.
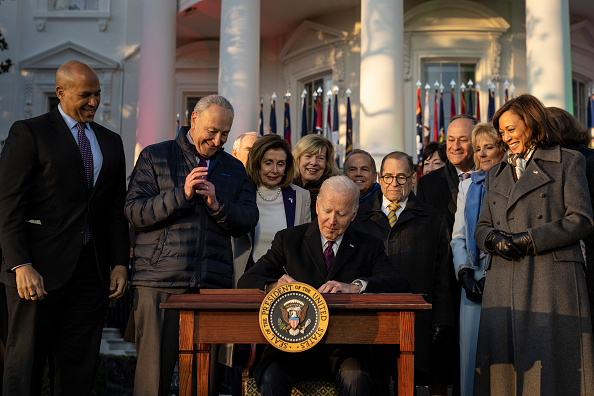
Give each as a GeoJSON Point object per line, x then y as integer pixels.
{"type": "Point", "coordinates": [87, 157]}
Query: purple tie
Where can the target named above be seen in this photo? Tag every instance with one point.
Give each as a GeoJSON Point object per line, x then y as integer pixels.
{"type": "Point", "coordinates": [329, 255]}
{"type": "Point", "coordinates": [201, 161]}
{"type": "Point", "coordinates": [87, 156]}
{"type": "Point", "coordinates": [464, 176]}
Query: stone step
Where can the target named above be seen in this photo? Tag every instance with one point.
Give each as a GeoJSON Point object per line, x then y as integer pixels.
{"type": "Point", "coordinates": [110, 333]}
{"type": "Point", "coordinates": [121, 345]}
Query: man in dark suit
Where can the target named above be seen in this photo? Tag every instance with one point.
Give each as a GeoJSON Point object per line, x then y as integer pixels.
{"type": "Point", "coordinates": [334, 258]}
{"type": "Point", "coordinates": [416, 239]}
{"type": "Point", "coordinates": [440, 187]}
{"type": "Point", "coordinates": [62, 226]}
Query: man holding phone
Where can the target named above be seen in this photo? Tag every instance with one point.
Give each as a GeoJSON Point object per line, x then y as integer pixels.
{"type": "Point", "coordinates": [186, 199]}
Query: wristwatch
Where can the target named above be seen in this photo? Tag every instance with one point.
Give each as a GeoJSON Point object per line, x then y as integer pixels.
{"type": "Point", "coordinates": [360, 284]}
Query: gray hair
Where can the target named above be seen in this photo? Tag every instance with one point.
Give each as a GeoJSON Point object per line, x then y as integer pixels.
{"type": "Point", "coordinates": [237, 142]}
{"type": "Point", "coordinates": [210, 100]}
{"type": "Point", "coordinates": [342, 185]}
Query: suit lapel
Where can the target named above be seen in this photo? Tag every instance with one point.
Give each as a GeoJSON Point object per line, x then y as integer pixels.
{"type": "Point", "coordinates": [313, 244]}
{"type": "Point", "coordinates": [106, 152]}
{"type": "Point", "coordinates": [289, 200]}
{"type": "Point", "coordinates": [533, 178]}
{"type": "Point", "coordinates": [67, 141]}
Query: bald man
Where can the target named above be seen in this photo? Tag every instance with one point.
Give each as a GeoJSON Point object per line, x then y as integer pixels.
{"type": "Point", "coordinates": [243, 144]}
{"type": "Point", "coordinates": [64, 237]}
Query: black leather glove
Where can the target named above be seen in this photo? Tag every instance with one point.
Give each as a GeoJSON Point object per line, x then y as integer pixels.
{"type": "Point", "coordinates": [481, 283]}
{"type": "Point", "coordinates": [501, 243]}
{"type": "Point", "coordinates": [474, 292]}
{"type": "Point", "coordinates": [442, 335]}
{"type": "Point", "coordinates": [523, 242]}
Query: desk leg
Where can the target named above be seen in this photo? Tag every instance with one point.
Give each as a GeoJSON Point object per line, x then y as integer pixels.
{"type": "Point", "coordinates": [203, 368]}
{"type": "Point", "coordinates": [406, 360]}
{"type": "Point", "coordinates": [186, 352]}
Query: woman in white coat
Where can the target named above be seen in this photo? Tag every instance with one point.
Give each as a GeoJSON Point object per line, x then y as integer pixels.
{"type": "Point", "coordinates": [270, 166]}
{"type": "Point", "coordinates": [469, 261]}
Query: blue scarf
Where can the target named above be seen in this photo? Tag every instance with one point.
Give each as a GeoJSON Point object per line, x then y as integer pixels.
{"type": "Point", "coordinates": [472, 211]}
{"type": "Point", "coordinates": [367, 196]}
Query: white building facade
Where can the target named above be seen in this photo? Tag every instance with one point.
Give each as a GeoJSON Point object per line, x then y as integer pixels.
{"type": "Point", "coordinates": [156, 58]}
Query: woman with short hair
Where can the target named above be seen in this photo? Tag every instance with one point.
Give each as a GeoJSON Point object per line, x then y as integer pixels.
{"type": "Point", "coordinates": [270, 166]}
{"type": "Point", "coordinates": [314, 157]}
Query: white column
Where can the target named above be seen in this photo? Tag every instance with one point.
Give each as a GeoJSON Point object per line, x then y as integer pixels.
{"type": "Point", "coordinates": [239, 63]}
{"type": "Point", "coordinates": [381, 126]}
{"type": "Point", "coordinates": [156, 77]}
{"type": "Point", "coordinates": [549, 52]}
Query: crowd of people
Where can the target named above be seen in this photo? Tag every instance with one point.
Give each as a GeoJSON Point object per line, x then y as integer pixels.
{"type": "Point", "coordinates": [494, 230]}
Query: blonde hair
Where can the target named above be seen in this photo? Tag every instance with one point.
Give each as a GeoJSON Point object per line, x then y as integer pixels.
{"type": "Point", "coordinates": [313, 144]}
{"type": "Point", "coordinates": [480, 129]}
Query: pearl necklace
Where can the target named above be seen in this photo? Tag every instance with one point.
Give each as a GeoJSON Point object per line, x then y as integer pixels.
{"type": "Point", "coordinates": [278, 191]}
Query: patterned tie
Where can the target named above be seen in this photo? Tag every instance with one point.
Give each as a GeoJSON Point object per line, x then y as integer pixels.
{"type": "Point", "coordinates": [464, 176]}
{"type": "Point", "coordinates": [329, 255]}
{"type": "Point", "coordinates": [392, 208]}
{"type": "Point", "coordinates": [87, 156]}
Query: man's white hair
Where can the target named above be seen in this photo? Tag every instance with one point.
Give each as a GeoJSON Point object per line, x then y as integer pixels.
{"type": "Point", "coordinates": [342, 185]}
{"type": "Point", "coordinates": [237, 142]}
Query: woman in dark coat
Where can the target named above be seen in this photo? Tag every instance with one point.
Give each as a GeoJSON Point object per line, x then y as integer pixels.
{"type": "Point", "coordinates": [576, 137]}
{"type": "Point", "coordinates": [535, 334]}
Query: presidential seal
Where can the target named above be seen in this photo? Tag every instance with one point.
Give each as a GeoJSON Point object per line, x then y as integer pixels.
{"type": "Point", "coordinates": [294, 317]}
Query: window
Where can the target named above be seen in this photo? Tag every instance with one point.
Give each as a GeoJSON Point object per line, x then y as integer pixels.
{"type": "Point", "coordinates": [580, 101]}
{"type": "Point", "coordinates": [52, 102]}
{"type": "Point", "coordinates": [74, 5]}
{"type": "Point", "coordinates": [444, 72]}
{"type": "Point", "coordinates": [325, 83]}
{"type": "Point", "coordinates": [191, 102]}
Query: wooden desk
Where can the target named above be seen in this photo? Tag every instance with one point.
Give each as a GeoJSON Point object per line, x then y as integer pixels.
{"type": "Point", "coordinates": [231, 316]}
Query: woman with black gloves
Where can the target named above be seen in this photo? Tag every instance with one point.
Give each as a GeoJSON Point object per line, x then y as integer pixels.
{"type": "Point", "coordinates": [535, 333]}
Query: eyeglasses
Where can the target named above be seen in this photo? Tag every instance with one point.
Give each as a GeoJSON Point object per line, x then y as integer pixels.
{"type": "Point", "coordinates": [400, 179]}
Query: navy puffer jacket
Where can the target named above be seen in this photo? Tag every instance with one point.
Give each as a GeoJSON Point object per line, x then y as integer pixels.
{"type": "Point", "coordinates": [180, 243]}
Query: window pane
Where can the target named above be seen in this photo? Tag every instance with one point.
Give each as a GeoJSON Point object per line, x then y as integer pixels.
{"type": "Point", "coordinates": [73, 5]}
{"type": "Point", "coordinates": [53, 102]}
{"type": "Point", "coordinates": [190, 104]}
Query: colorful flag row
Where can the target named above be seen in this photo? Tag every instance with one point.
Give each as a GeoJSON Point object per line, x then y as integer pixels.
{"type": "Point", "coordinates": [317, 121]}
{"type": "Point", "coordinates": [426, 132]}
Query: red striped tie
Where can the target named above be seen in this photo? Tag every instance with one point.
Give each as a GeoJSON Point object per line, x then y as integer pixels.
{"type": "Point", "coordinates": [329, 255]}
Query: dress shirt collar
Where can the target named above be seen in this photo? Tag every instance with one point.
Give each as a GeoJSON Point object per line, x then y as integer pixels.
{"type": "Point", "coordinates": [71, 122]}
{"type": "Point", "coordinates": [334, 247]}
{"type": "Point", "coordinates": [386, 202]}
{"type": "Point", "coordinates": [197, 157]}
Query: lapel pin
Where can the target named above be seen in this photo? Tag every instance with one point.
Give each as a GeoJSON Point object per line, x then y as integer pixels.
{"type": "Point", "coordinates": [291, 200]}
{"type": "Point", "coordinates": [535, 172]}
{"type": "Point", "coordinates": [351, 245]}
